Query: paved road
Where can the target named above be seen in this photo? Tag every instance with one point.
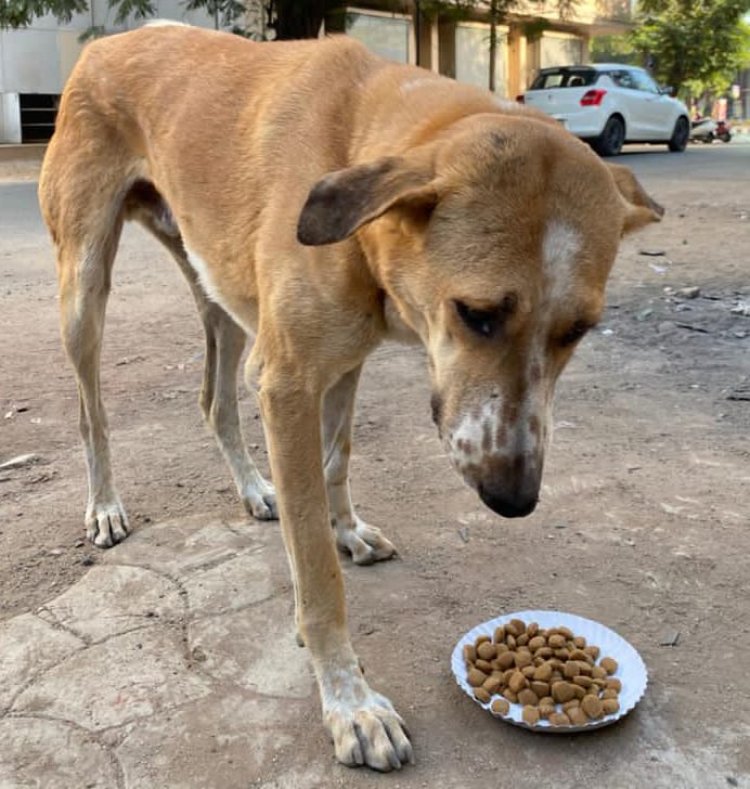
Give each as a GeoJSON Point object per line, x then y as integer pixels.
{"type": "Point", "coordinates": [699, 163]}
{"type": "Point", "coordinates": [19, 213]}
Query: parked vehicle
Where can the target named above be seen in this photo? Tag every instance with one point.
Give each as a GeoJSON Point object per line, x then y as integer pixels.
{"type": "Point", "coordinates": [708, 130]}
{"type": "Point", "coordinates": [608, 105]}
{"type": "Point", "coordinates": [703, 130]}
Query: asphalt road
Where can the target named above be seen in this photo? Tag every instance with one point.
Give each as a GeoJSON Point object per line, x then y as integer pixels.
{"type": "Point", "coordinates": [19, 212]}
{"type": "Point", "coordinates": [699, 163]}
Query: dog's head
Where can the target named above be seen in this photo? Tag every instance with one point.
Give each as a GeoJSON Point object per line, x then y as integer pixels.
{"type": "Point", "coordinates": [494, 243]}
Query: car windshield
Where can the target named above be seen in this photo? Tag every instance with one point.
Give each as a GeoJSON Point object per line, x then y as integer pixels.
{"type": "Point", "coordinates": [564, 78]}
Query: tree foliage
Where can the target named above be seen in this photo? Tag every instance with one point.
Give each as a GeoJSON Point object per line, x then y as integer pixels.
{"type": "Point", "coordinates": [288, 19]}
{"type": "Point", "coordinates": [686, 41]}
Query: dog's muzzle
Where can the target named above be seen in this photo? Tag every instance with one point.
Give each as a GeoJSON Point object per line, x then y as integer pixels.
{"type": "Point", "coordinates": [508, 503]}
{"type": "Point", "coordinates": [510, 488]}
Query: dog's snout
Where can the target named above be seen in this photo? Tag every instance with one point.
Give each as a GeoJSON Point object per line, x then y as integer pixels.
{"type": "Point", "coordinates": [509, 504]}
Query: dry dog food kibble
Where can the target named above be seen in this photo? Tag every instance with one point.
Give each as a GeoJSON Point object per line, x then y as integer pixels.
{"type": "Point", "coordinates": [553, 674]}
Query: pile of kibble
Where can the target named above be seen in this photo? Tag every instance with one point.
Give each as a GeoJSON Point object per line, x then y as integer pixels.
{"type": "Point", "coordinates": [553, 673]}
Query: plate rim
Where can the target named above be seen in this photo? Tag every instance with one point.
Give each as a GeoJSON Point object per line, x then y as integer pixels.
{"type": "Point", "coordinates": [457, 659]}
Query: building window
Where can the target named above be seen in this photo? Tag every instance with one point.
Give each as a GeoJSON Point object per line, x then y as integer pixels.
{"type": "Point", "coordinates": [385, 35]}
{"type": "Point", "coordinates": [38, 113]}
{"type": "Point", "coordinates": [560, 49]}
{"type": "Point", "coordinates": [473, 56]}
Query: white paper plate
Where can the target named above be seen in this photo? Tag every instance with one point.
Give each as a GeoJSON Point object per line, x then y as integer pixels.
{"type": "Point", "coordinates": [631, 670]}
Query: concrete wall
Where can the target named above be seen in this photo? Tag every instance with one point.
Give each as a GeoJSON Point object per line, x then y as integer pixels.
{"type": "Point", "coordinates": [39, 59]}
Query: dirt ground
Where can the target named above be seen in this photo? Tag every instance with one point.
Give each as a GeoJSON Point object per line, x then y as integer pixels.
{"type": "Point", "coordinates": [644, 521]}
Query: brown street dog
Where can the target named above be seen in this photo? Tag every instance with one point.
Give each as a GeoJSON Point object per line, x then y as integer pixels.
{"type": "Point", "coordinates": [323, 200]}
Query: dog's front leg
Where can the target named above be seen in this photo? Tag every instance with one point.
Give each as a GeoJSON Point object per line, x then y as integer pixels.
{"type": "Point", "coordinates": [364, 542]}
{"type": "Point", "coordinates": [364, 726]}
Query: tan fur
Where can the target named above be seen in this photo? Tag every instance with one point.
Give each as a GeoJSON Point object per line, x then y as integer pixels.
{"type": "Point", "coordinates": [250, 162]}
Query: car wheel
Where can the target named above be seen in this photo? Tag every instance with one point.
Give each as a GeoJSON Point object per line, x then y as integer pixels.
{"type": "Point", "coordinates": [609, 142]}
{"type": "Point", "coordinates": [680, 135]}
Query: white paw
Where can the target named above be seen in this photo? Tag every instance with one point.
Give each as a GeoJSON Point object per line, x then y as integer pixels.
{"type": "Point", "coordinates": [259, 499]}
{"type": "Point", "coordinates": [366, 730]}
{"type": "Point", "coordinates": [365, 543]}
{"type": "Point", "coordinates": [106, 524]}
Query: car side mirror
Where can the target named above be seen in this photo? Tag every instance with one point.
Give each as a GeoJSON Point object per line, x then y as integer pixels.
{"type": "Point", "coordinates": [666, 90]}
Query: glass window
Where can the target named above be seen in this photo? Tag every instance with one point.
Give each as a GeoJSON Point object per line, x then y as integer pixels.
{"type": "Point", "coordinates": [623, 79]}
{"type": "Point", "coordinates": [473, 56]}
{"type": "Point", "coordinates": [644, 82]}
{"type": "Point", "coordinates": [564, 78]}
{"type": "Point", "coordinates": [560, 50]}
{"type": "Point", "coordinates": [385, 36]}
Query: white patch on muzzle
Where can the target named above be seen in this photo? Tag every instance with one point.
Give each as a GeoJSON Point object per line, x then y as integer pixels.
{"type": "Point", "coordinates": [475, 436]}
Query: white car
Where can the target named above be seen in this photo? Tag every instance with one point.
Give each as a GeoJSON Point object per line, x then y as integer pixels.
{"type": "Point", "coordinates": [608, 104]}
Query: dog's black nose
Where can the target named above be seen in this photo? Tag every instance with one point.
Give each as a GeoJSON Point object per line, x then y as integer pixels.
{"type": "Point", "coordinates": [509, 505]}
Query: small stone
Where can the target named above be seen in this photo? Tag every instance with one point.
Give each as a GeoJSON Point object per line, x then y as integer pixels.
{"type": "Point", "coordinates": [87, 561]}
{"type": "Point", "coordinates": [56, 552]}
{"type": "Point", "coordinates": [20, 461]}
{"type": "Point", "coordinates": [691, 292]}
{"type": "Point", "coordinates": [670, 638]}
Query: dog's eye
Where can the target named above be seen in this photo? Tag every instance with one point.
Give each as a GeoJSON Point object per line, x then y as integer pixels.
{"type": "Point", "coordinates": [482, 322]}
{"type": "Point", "coordinates": [574, 333]}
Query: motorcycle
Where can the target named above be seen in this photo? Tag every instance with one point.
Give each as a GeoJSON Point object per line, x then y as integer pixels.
{"type": "Point", "coordinates": [707, 130]}
{"type": "Point", "coordinates": [723, 131]}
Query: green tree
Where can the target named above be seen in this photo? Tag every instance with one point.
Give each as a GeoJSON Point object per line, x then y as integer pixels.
{"type": "Point", "coordinates": [687, 42]}
{"type": "Point", "coordinates": [289, 18]}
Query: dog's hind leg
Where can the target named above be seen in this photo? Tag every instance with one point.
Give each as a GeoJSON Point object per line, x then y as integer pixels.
{"type": "Point", "coordinates": [365, 543]}
{"type": "Point", "coordinates": [84, 273]}
{"type": "Point", "coordinates": [225, 342]}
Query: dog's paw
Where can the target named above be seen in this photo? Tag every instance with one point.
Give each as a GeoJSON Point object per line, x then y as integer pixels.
{"type": "Point", "coordinates": [106, 524]}
{"type": "Point", "coordinates": [260, 500]}
{"type": "Point", "coordinates": [366, 544]}
{"type": "Point", "coordinates": [365, 728]}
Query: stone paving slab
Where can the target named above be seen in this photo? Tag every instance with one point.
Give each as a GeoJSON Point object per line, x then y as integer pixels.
{"type": "Point", "coordinates": [54, 755]}
{"type": "Point", "coordinates": [124, 598]}
{"type": "Point", "coordinates": [222, 740]}
{"type": "Point", "coordinates": [154, 670]}
{"type": "Point", "coordinates": [28, 645]}
{"type": "Point", "coordinates": [255, 649]}
{"type": "Point", "coordinates": [122, 679]}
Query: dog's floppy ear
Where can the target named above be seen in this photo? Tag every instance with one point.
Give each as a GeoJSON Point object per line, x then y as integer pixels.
{"type": "Point", "coordinates": [343, 201]}
{"type": "Point", "coordinates": [641, 208]}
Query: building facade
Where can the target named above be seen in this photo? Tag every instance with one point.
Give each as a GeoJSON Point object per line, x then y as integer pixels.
{"type": "Point", "coordinates": [35, 62]}
{"type": "Point", "coordinates": [534, 36]}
